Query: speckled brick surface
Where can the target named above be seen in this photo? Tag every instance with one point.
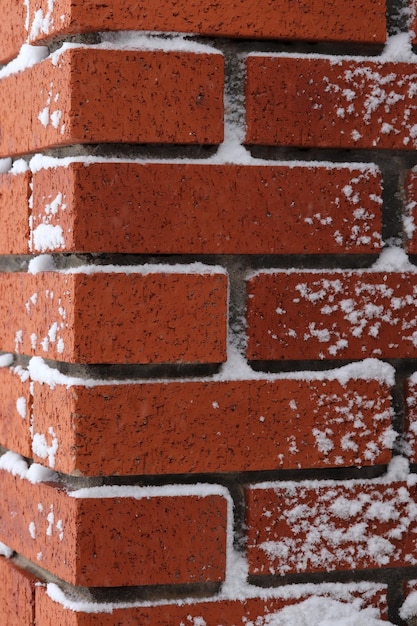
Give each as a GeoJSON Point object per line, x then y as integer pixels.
{"type": "Point", "coordinates": [266, 19]}
{"type": "Point", "coordinates": [330, 103]}
{"type": "Point", "coordinates": [332, 315]}
{"type": "Point", "coordinates": [208, 209]}
{"type": "Point", "coordinates": [14, 213]}
{"type": "Point", "coordinates": [115, 541]}
{"type": "Point", "coordinates": [231, 426]}
{"type": "Point", "coordinates": [147, 97]}
{"type": "Point", "coordinates": [155, 317]}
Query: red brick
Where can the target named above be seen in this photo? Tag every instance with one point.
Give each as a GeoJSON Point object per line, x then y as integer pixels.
{"type": "Point", "coordinates": [14, 212]}
{"type": "Point", "coordinates": [90, 95]}
{"type": "Point", "coordinates": [233, 426]}
{"type": "Point", "coordinates": [329, 103]}
{"type": "Point", "coordinates": [17, 595]}
{"type": "Point", "coordinates": [319, 526]}
{"type": "Point", "coordinates": [162, 316]}
{"type": "Point", "coordinates": [124, 540]}
{"type": "Point", "coordinates": [212, 613]}
{"type": "Point", "coordinates": [411, 212]}
{"type": "Point", "coordinates": [15, 410]}
{"type": "Point", "coordinates": [12, 28]}
{"type": "Point", "coordinates": [324, 20]}
{"type": "Point", "coordinates": [410, 391]}
{"type": "Point", "coordinates": [332, 315]}
{"type": "Point", "coordinates": [207, 209]}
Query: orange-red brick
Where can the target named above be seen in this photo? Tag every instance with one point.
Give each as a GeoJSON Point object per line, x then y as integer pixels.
{"type": "Point", "coordinates": [225, 612]}
{"type": "Point", "coordinates": [233, 426]}
{"type": "Point", "coordinates": [17, 595]}
{"type": "Point", "coordinates": [15, 411]}
{"type": "Point", "coordinates": [330, 103]}
{"type": "Point", "coordinates": [332, 315]}
{"type": "Point", "coordinates": [324, 20]}
{"type": "Point", "coordinates": [12, 28]}
{"type": "Point", "coordinates": [321, 526]}
{"type": "Point", "coordinates": [146, 97]}
{"type": "Point", "coordinates": [411, 212]}
{"type": "Point", "coordinates": [208, 209]}
{"type": "Point", "coordinates": [115, 541]}
{"type": "Point", "coordinates": [14, 212]}
{"type": "Point", "coordinates": [115, 317]}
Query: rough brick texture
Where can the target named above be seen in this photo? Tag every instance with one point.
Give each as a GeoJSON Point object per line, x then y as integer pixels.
{"type": "Point", "coordinates": [113, 317]}
{"type": "Point", "coordinates": [14, 213]}
{"type": "Point", "coordinates": [331, 315]}
{"type": "Point", "coordinates": [180, 427]}
{"type": "Point", "coordinates": [15, 410]}
{"type": "Point", "coordinates": [208, 293]}
{"type": "Point", "coordinates": [320, 102]}
{"type": "Point", "coordinates": [410, 215]}
{"type": "Point", "coordinates": [148, 97]}
{"type": "Point", "coordinates": [207, 209]}
{"type": "Point", "coordinates": [312, 527]}
{"type": "Point", "coordinates": [326, 19]}
{"type": "Point", "coordinates": [17, 595]}
{"type": "Point", "coordinates": [111, 541]}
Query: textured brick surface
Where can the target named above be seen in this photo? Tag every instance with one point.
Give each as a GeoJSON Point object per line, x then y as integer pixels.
{"type": "Point", "coordinates": [332, 315]}
{"type": "Point", "coordinates": [147, 97]}
{"type": "Point", "coordinates": [207, 209]}
{"type": "Point", "coordinates": [17, 595]}
{"type": "Point", "coordinates": [308, 102]}
{"type": "Point", "coordinates": [12, 28]}
{"type": "Point", "coordinates": [14, 213]}
{"type": "Point", "coordinates": [234, 426]}
{"type": "Point", "coordinates": [410, 393]}
{"type": "Point", "coordinates": [314, 526]}
{"type": "Point", "coordinates": [411, 212]}
{"type": "Point", "coordinates": [224, 612]}
{"type": "Point", "coordinates": [115, 318]}
{"type": "Point", "coordinates": [15, 410]}
{"type": "Point", "coordinates": [327, 19]}
{"type": "Point", "coordinates": [115, 541]}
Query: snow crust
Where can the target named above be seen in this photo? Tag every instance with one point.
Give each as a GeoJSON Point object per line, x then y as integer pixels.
{"type": "Point", "coordinates": [343, 594]}
{"type": "Point", "coordinates": [45, 263]}
{"type": "Point", "coordinates": [236, 369]}
{"type": "Point", "coordinates": [27, 57]}
{"type": "Point", "coordinates": [409, 608]}
{"type": "Point", "coordinates": [17, 466]}
{"type": "Point", "coordinates": [319, 611]}
{"type": "Point", "coordinates": [6, 360]}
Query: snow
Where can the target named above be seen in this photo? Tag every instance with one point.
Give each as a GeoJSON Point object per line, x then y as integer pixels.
{"type": "Point", "coordinates": [318, 611]}
{"type": "Point", "coordinates": [5, 550]}
{"type": "Point", "coordinates": [27, 57]}
{"type": "Point", "coordinates": [6, 360]}
{"type": "Point", "coordinates": [17, 466]}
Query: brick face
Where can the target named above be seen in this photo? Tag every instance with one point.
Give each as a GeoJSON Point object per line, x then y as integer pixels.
{"type": "Point", "coordinates": [15, 410]}
{"type": "Point", "coordinates": [313, 527]}
{"type": "Point", "coordinates": [317, 102]}
{"type": "Point", "coordinates": [17, 595]}
{"type": "Point", "coordinates": [326, 19]}
{"type": "Point", "coordinates": [208, 209]}
{"type": "Point", "coordinates": [331, 315]}
{"type": "Point", "coordinates": [160, 428]}
{"type": "Point", "coordinates": [14, 212]}
{"type": "Point", "coordinates": [110, 541]}
{"type": "Point", "coordinates": [113, 317]}
{"type": "Point", "coordinates": [176, 97]}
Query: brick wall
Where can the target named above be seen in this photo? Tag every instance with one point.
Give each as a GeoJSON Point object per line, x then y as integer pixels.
{"type": "Point", "coordinates": [208, 329]}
